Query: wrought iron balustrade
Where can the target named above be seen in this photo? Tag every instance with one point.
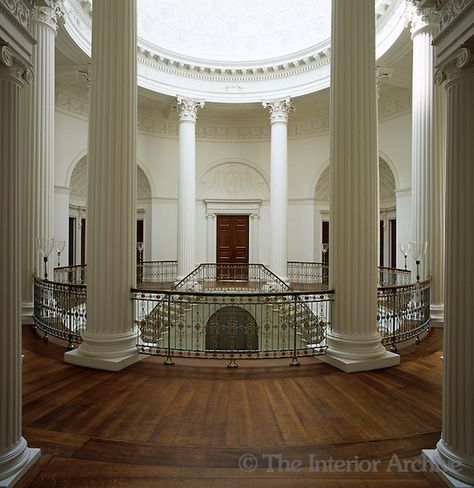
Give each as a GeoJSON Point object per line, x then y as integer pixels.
{"type": "Point", "coordinates": [60, 310]}
{"type": "Point", "coordinates": [308, 273]}
{"type": "Point", "coordinates": [74, 275]}
{"type": "Point", "coordinates": [164, 272]}
{"type": "Point", "coordinates": [403, 312]}
{"type": "Point", "coordinates": [231, 325]}
{"type": "Point", "coordinates": [393, 276]}
{"type": "Point", "coordinates": [232, 277]}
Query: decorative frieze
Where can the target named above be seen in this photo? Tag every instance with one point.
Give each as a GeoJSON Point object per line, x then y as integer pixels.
{"type": "Point", "coordinates": [453, 11]}
{"type": "Point", "coordinates": [18, 10]}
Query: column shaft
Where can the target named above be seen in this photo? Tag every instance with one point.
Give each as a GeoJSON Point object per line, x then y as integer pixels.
{"type": "Point", "coordinates": [186, 198]}
{"type": "Point", "coordinates": [455, 450]}
{"type": "Point", "coordinates": [279, 199]}
{"type": "Point", "coordinates": [15, 457]}
{"type": "Point", "coordinates": [109, 342]}
{"type": "Point", "coordinates": [279, 112]}
{"type": "Point", "coordinates": [38, 168]}
{"type": "Point", "coordinates": [354, 342]}
{"type": "Point", "coordinates": [187, 114]}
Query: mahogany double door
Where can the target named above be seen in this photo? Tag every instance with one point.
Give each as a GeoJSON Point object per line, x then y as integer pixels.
{"type": "Point", "coordinates": [232, 247]}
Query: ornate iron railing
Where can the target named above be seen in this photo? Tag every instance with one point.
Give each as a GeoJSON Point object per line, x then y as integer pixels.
{"type": "Point", "coordinates": [231, 325]}
{"type": "Point", "coordinates": [157, 272]}
{"type": "Point", "coordinates": [403, 312]}
{"type": "Point", "coordinates": [74, 275]}
{"type": "Point", "coordinates": [232, 277]}
{"type": "Point", "coordinates": [308, 273]}
{"type": "Point", "coordinates": [394, 276]}
{"type": "Point", "coordinates": [60, 310]}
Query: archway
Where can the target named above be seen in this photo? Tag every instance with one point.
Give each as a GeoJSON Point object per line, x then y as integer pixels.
{"type": "Point", "coordinates": [232, 328]}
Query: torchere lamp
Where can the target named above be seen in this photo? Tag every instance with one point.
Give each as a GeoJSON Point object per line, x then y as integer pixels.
{"type": "Point", "coordinates": [60, 245]}
{"type": "Point", "coordinates": [404, 250]}
{"type": "Point", "coordinates": [45, 247]}
{"type": "Point", "coordinates": [418, 250]}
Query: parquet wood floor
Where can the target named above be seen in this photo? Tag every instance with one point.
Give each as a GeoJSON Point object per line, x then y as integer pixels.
{"type": "Point", "coordinates": [188, 425]}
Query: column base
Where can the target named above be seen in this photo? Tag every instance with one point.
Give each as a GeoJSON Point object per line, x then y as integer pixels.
{"type": "Point", "coordinates": [16, 462]}
{"type": "Point", "coordinates": [431, 455]}
{"type": "Point", "coordinates": [388, 360]}
{"type": "Point", "coordinates": [353, 354]}
{"type": "Point", "coordinates": [437, 315]}
{"type": "Point", "coordinates": [27, 309]}
{"type": "Point", "coordinates": [109, 352]}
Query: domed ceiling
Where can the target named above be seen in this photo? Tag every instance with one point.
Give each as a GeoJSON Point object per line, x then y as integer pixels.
{"type": "Point", "coordinates": [233, 51]}
{"type": "Point", "coordinates": [234, 32]}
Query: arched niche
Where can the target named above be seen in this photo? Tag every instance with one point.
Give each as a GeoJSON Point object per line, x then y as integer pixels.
{"type": "Point", "coordinates": [386, 192]}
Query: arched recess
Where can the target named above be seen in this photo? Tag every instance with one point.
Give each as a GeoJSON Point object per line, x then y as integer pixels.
{"type": "Point", "coordinates": [77, 182]}
{"type": "Point", "coordinates": [232, 329]}
{"type": "Point", "coordinates": [233, 187]}
{"type": "Point", "coordinates": [387, 200]}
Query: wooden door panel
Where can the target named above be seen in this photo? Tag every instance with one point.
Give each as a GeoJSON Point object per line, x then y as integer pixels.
{"type": "Point", "coordinates": [232, 246]}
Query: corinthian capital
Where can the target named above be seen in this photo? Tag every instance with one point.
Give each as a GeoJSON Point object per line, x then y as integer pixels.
{"type": "Point", "coordinates": [48, 15]}
{"type": "Point", "coordinates": [279, 109]}
{"type": "Point", "coordinates": [187, 109]}
{"type": "Point", "coordinates": [422, 19]}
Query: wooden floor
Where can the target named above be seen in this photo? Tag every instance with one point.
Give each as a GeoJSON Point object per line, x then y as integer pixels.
{"type": "Point", "coordinates": [189, 425]}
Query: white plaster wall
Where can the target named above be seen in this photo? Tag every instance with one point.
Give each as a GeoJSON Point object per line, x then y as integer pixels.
{"type": "Point", "coordinates": [61, 224]}
{"type": "Point", "coordinates": [307, 157]}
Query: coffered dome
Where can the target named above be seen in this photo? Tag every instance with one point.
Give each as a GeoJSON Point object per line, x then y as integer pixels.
{"type": "Point", "coordinates": [233, 50]}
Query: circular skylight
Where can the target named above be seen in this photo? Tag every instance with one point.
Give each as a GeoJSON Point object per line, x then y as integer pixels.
{"type": "Point", "coordinates": [233, 31]}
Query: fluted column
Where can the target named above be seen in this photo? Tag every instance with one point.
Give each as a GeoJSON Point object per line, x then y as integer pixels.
{"type": "Point", "coordinates": [109, 342]}
{"type": "Point", "coordinates": [427, 154]}
{"type": "Point", "coordinates": [279, 111]}
{"type": "Point", "coordinates": [38, 168]}
{"type": "Point", "coordinates": [187, 114]}
{"type": "Point", "coordinates": [15, 457]}
{"type": "Point", "coordinates": [455, 451]}
{"type": "Point", "coordinates": [354, 343]}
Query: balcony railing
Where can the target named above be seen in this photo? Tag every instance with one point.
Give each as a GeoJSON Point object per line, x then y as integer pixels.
{"type": "Point", "coordinates": [393, 276]}
{"type": "Point", "coordinates": [308, 273]}
{"type": "Point", "coordinates": [403, 312]}
{"type": "Point", "coordinates": [229, 311]}
{"type": "Point", "coordinates": [231, 325]}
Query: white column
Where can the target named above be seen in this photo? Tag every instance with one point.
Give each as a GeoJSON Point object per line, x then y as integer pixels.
{"type": "Point", "coordinates": [109, 342]}
{"type": "Point", "coordinates": [427, 154]}
{"type": "Point", "coordinates": [38, 169]}
{"type": "Point", "coordinates": [187, 114]}
{"type": "Point", "coordinates": [354, 343]}
{"type": "Point", "coordinates": [279, 111]}
{"type": "Point", "coordinates": [454, 453]}
{"type": "Point", "coordinates": [15, 457]}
